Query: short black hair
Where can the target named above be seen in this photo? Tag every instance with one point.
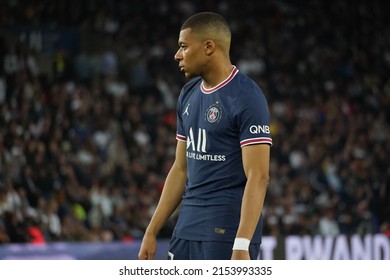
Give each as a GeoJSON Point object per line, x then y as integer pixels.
{"type": "Point", "coordinates": [206, 21]}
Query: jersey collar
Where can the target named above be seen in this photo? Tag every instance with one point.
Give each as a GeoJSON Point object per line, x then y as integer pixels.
{"type": "Point", "coordinates": [221, 84]}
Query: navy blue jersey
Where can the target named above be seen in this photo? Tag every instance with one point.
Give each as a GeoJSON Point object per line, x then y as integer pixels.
{"type": "Point", "coordinates": [216, 123]}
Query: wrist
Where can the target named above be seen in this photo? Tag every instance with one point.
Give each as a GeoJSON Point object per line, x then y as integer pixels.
{"type": "Point", "coordinates": [241, 244]}
{"type": "Point", "coordinates": [151, 232]}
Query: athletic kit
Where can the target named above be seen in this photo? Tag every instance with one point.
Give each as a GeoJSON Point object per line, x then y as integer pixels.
{"type": "Point", "coordinates": [216, 123]}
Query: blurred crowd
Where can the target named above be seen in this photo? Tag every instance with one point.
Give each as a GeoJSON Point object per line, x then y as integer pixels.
{"type": "Point", "coordinates": [87, 137]}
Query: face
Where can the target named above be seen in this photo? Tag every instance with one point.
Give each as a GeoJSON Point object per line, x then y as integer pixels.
{"type": "Point", "coordinates": [191, 54]}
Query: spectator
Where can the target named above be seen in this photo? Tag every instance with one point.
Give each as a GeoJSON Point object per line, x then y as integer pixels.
{"type": "Point", "coordinates": [327, 224]}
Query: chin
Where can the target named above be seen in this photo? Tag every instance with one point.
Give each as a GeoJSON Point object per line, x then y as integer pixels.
{"type": "Point", "coordinates": [189, 75]}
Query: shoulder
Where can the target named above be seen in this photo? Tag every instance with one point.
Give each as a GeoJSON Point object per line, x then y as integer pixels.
{"type": "Point", "coordinates": [191, 84]}
{"type": "Point", "coordinates": [189, 87]}
{"type": "Point", "coordinates": [247, 84]}
{"type": "Point", "coordinates": [247, 90]}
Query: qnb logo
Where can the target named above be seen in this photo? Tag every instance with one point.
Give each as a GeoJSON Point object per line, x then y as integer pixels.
{"type": "Point", "coordinates": [257, 129]}
{"type": "Point", "coordinates": [198, 145]}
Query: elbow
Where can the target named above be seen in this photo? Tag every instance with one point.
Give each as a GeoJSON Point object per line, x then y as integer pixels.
{"type": "Point", "coordinates": [264, 180]}
{"type": "Point", "coordinates": [260, 179]}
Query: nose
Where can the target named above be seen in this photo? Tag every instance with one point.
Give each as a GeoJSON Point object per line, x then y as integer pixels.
{"type": "Point", "coordinates": [178, 55]}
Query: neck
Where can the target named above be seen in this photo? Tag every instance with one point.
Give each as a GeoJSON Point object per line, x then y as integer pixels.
{"type": "Point", "coordinates": [217, 74]}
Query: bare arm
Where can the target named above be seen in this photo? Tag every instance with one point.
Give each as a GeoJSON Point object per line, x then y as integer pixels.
{"type": "Point", "coordinates": [170, 199]}
{"type": "Point", "coordinates": [256, 166]}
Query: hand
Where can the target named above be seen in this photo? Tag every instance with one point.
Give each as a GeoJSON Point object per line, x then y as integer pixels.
{"type": "Point", "coordinates": [240, 255]}
{"type": "Point", "coordinates": [148, 247]}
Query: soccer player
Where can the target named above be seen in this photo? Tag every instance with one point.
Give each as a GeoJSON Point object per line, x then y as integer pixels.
{"type": "Point", "coordinates": [221, 169]}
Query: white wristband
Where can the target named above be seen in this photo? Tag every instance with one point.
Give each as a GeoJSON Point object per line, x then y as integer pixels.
{"type": "Point", "coordinates": [241, 244]}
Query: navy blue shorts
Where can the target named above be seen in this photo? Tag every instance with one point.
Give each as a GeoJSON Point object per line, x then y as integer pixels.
{"type": "Point", "coordinates": [180, 249]}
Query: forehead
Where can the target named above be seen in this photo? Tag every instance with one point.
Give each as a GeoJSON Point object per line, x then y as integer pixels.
{"type": "Point", "coordinates": [187, 36]}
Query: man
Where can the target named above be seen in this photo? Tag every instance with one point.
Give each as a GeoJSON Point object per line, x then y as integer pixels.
{"type": "Point", "coordinates": [221, 170]}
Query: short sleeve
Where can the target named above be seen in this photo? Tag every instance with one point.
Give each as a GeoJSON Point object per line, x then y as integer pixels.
{"type": "Point", "coordinates": [180, 132]}
{"type": "Point", "coordinates": [253, 117]}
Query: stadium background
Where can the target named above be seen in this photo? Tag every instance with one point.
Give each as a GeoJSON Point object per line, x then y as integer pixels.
{"type": "Point", "coordinates": [87, 117]}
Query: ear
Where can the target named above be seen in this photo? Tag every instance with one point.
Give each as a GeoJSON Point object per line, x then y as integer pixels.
{"type": "Point", "coordinates": [209, 46]}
